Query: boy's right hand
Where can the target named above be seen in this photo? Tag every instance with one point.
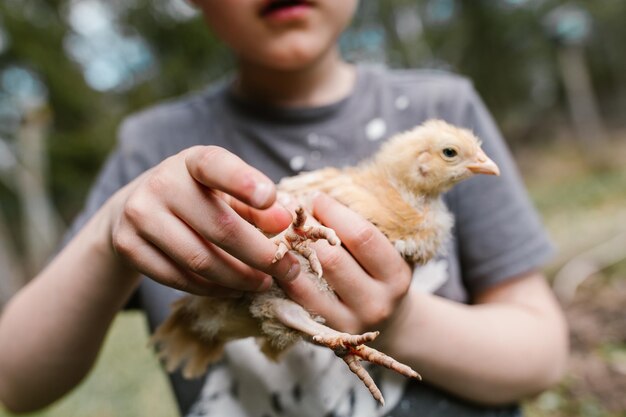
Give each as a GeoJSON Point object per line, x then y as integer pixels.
{"type": "Point", "coordinates": [191, 223]}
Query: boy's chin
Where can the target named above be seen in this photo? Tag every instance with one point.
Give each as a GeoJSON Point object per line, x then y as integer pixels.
{"type": "Point", "coordinates": [293, 58]}
{"type": "Point", "coordinates": [290, 63]}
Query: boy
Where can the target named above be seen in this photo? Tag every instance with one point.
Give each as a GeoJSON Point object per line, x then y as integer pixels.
{"type": "Point", "coordinates": [486, 330]}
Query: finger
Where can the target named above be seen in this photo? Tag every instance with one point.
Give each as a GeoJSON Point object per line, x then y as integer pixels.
{"type": "Point", "coordinates": [290, 202]}
{"type": "Point", "coordinates": [273, 220]}
{"type": "Point", "coordinates": [176, 240]}
{"type": "Point", "coordinates": [152, 263]}
{"type": "Point", "coordinates": [347, 278]}
{"type": "Point", "coordinates": [369, 246]}
{"type": "Point", "coordinates": [216, 168]}
{"type": "Point", "coordinates": [306, 292]}
{"type": "Point", "coordinates": [215, 221]}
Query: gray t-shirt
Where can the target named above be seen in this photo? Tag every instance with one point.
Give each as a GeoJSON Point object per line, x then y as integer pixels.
{"type": "Point", "coordinates": [497, 233]}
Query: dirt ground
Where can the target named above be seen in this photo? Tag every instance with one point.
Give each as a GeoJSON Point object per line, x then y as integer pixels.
{"type": "Point", "coordinates": [595, 385]}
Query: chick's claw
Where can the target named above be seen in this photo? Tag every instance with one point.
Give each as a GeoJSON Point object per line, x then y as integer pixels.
{"type": "Point", "coordinates": [355, 366]}
{"type": "Point", "coordinates": [283, 248]}
{"type": "Point", "coordinates": [374, 356]}
{"type": "Point", "coordinates": [352, 350]}
{"type": "Point", "coordinates": [298, 237]}
{"type": "Point", "coordinates": [344, 344]}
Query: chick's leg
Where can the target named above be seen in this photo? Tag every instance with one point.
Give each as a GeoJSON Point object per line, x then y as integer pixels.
{"type": "Point", "coordinates": [348, 347]}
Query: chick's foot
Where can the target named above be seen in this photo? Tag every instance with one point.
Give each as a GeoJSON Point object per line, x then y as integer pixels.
{"type": "Point", "coordinates": [298, 237]}
{"type": "Point", "coordinates": [352, 350]}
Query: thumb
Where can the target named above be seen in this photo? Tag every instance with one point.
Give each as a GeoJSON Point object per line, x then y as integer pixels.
{"type": "Point", "coordinates": [221, 170]}
{"type": "Point", "coordinates": [272, 220]}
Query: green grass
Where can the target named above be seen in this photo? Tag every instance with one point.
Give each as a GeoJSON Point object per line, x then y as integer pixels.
{"type": "Point", "coordinates": [126, 381]}
{"type": "Point", "coordinates": [581, 206]}
{"type": "Point", "coordinates": [582, 192]}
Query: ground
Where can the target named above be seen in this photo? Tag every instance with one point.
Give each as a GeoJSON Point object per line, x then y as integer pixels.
{"type": "Point", "coordinates": [582, 208]}
{"type": "Point", "coordinates": [595, 385]}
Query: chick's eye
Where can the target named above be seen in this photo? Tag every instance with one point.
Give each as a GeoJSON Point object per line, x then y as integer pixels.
{"type": "Point", "coordinates": [449, 152]}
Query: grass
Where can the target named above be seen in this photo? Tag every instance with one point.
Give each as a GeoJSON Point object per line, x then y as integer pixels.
{"type": "Point", "coordinates": [580, 206]}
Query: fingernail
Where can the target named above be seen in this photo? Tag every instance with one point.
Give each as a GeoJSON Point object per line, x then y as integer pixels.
{"type": "Point", "coordinates": [262, 193]}
{"type": "Point", "coordinates": [294, 271]}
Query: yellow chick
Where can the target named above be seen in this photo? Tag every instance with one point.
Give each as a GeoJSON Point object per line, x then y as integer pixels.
{"type": "Point", "coordinates": [398, 190]}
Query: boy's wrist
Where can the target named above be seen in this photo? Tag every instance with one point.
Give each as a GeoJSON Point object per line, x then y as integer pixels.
{"type": "Point", "coordinates": [95, 238]}
{"type": "Point", "coordinates": [396, 328]}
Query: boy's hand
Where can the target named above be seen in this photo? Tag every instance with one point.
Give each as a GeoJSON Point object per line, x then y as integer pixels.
{"type": "Point", "coordinates": [186, 223]}
{"type": "Point", "coordinates": [368, 275]}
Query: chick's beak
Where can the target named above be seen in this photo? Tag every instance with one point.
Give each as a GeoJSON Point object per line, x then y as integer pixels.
{"type": "Point", "coordinates": [483, 165]}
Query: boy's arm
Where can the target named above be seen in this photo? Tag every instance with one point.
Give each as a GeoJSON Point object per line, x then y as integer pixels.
{"type": "Point", "coordinates": [173, 224]}
{"type": "Point", "coordinates": [51, 331]}
{"type": "Point", "coordinates": [510, 344]}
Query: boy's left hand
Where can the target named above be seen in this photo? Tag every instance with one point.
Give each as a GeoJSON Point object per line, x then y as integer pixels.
{"type": "Point", "coordinates": [368, 275]}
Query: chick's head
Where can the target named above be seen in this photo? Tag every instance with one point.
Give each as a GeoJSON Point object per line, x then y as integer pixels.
{"type": "Point", "coordinates": [434, 156]}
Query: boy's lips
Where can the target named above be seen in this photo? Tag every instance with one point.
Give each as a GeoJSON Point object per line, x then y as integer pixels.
{"type": "Point", "coordinates": [285, 10]}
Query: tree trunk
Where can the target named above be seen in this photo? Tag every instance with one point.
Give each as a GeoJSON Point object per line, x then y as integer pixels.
{"type": "Point", "coordinates": [581, 99]}
{"type": "Point", "coordinates": [12, 277]}
{"type": "Point", "coordinates": [41, 223]}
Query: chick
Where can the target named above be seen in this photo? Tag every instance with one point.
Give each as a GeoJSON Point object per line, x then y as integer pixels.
{"type": "Point", "coordinates": [398, 190]}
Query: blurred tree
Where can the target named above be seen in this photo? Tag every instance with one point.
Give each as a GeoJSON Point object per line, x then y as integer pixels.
{"type": "Point", "coordinates": [44, 37]}
{"type": "Point", "coordinates": [90, 84]}
{"type": "Point", "coordinates": [503, 48]}
{"type": "Point", "coordinates": [499, 45]}
{"type": "Point", "coordinates": [569, 26]}
{"type": "Point", "coordinates": [37, 32]}
{"type": "Point", "coordinates": [607, 58]}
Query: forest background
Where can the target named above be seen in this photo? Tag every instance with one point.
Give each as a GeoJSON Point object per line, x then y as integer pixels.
{"type": "Point", "coordinates": [553, 73]}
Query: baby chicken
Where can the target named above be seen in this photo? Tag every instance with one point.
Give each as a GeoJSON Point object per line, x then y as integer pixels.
{"type": "Point", "coordinates": [398, 190]}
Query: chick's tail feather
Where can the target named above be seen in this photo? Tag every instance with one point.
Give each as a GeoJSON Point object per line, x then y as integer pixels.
{"type": "Point", "coordinates": [178, 343]}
